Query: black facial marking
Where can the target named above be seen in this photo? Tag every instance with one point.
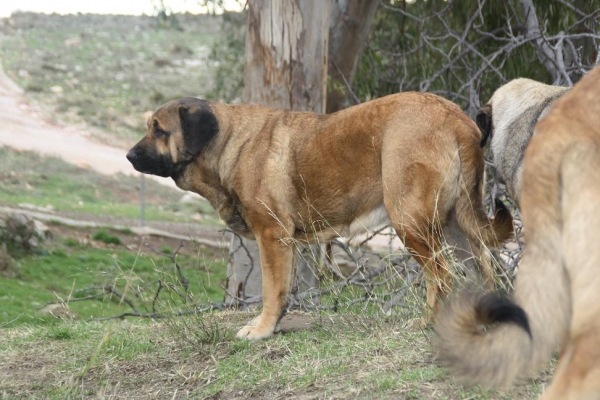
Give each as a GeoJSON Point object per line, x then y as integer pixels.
{"type": "Point", "coordinates": [199, 125]}
{"type": "Point", "coordinates": [146, 160]}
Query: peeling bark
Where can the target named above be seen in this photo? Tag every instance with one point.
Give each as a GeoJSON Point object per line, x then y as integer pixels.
{"type": "Point", "coordinates": [286, 54]}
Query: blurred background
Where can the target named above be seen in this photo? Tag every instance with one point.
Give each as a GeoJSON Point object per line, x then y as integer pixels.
{"type": "Point", "coordinates": [79, 79]}
{"type": "Point", "coordinates": [83, 237]}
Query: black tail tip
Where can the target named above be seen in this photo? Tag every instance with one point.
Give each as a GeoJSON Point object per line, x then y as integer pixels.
{"type": "Point", "coordinates": [495, 308]}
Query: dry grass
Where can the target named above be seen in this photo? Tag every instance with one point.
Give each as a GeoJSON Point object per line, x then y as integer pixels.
{"type": "Point", "coordinates": [318, 355]}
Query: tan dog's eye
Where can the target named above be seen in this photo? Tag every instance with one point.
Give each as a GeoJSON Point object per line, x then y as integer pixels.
{"type": "Point", "coordinates": [158, 133]}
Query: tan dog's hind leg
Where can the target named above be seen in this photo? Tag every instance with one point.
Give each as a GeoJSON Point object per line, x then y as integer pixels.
{"type": "Point", "coordinates": [411, 203]}
{"type": "Point", "coordinates": [435, 267]}
{"type": "Point", "coordinates": [276, 260]}
{"type": "Point", "coordinates": [577, 376]}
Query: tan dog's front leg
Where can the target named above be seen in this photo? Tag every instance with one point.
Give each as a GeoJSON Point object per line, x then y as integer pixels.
{"type": "Point", "coordinates": [276, 261]}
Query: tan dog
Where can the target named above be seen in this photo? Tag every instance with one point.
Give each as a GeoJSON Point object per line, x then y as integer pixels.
{"type": "Point", "coordinates": [557, 292]}
{"type": "Point", "coordinates": [281, 177]}
{"type": "Point", "coordinates": [508, 120]}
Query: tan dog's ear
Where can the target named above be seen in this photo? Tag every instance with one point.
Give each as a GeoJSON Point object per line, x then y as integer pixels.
{"type": "Point", "coordinates": [199, 125]}
{"type": "Point", "coordinates": [484, 122]}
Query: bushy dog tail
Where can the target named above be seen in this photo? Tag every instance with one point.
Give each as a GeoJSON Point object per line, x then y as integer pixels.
{"type": "Point", "coordinates": [490, 340]}
{"type": "Point", "coordinates": [478, 355]}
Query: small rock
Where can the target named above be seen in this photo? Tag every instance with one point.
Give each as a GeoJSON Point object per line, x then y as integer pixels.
{"type": "Point", "coordinates": [41, 230]}
{"type": "Point", "coordinates": [73, 42]}
{"type": "Point", "coordinates": [19, 233]}
{"type": "Point", "coordinates": [510, 246]}
{"type": "Point", "coordinates": [197, 216]}
{"type": "Point", "coordinates": [59, 311]}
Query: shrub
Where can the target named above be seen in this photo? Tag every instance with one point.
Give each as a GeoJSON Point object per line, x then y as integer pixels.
{"type": "Point", "coordinates": [103, 236]}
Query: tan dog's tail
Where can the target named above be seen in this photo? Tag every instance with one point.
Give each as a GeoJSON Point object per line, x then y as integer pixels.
{"type": "Point", "coordinates": [490, 340]}
{"type": "Point", "coordinates": [469, 209]}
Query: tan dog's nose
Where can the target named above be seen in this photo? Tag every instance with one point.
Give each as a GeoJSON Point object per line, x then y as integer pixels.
{"type": "Point", "coordinates": [132, 155]}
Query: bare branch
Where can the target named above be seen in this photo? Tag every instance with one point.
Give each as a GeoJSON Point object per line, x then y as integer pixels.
{"type": "Point", "coordinates": [548, 56]}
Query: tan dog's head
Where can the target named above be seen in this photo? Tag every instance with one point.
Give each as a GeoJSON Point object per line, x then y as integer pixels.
{"type": "Point", "coordinates": [177, 132]}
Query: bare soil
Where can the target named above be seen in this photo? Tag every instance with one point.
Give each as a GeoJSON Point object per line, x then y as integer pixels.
{"type": "Point", "coordinates": [26, 127]}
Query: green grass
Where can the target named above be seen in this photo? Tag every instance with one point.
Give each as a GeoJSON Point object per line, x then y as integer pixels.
{"type": "Point", "coordinates": [355, 352]}
{"type": "Point", "coordinates": [62, 270]}
{"type": "Point", "coordinates": [106, 237]}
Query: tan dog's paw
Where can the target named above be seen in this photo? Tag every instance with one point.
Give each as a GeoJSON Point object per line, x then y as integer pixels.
{"type": "Point", "coordinates": [255, 330]}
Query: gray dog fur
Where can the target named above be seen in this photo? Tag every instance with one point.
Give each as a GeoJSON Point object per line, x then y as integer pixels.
{"type": "Point", "coordinates": [508, 120]}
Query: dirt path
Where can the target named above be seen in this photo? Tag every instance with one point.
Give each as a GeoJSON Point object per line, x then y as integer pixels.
{"type": "Point", "coordinates": [25, 127]}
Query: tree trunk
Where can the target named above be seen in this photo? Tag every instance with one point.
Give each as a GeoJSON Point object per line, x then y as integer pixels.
{"type": "Point", "coordinates": [349, 27]}
{"type": "Point", "coordinates": [286, 68]}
